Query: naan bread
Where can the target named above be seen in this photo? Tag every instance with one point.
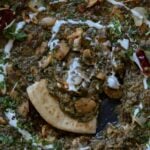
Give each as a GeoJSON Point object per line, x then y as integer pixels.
{"type": "Point", "coordinates": [49, 109]}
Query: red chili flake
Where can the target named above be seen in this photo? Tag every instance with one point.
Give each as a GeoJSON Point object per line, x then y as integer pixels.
{"type": "Point", "coordinates": [6, 17]}
{"type": "Point", "coordinates": [145, 64]}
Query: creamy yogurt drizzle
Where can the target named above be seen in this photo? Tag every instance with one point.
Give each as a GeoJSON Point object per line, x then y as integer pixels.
{"type": "Point", "coordinates": [145, 83]}
{"type": "Point", "coordinates": [76, 77]}
{"type": "Point", "coordinates": [8, 47]}
{"type": "Point", "coordinates": [53, 42]}
{"type": "Point", "coordinates": [58, 1]}
{"type": "Point", "coordinates": [113, 82]}
{"type": "Point", "coordinates": [3, 66]}
{"type": "Point", "coordinates": [85, 148]}
{"type": "Point", "coordinates": [72, 73]}
{"type": "Point", "coordinates": [11, 116]}
{"type": "Point", "coordinates": [1, 77]}
{"type": "Point", "coordinates": [116, 3]}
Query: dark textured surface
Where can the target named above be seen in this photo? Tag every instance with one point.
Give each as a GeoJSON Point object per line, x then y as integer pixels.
{"type": "Point", "coordinates": [107, 113]}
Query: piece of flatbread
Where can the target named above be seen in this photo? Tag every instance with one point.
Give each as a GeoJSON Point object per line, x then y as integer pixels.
{"type": "Point", "coordinates": [48, 108]}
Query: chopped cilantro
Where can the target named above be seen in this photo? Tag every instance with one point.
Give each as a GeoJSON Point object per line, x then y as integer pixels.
{"type": "Point", "coordinates": [2, 84]}
{"type": "Point", "coordinates": [1, 69]}
{"type": "Point", "coordinates": [25, 124]}
{"type": "Point", "coordinates": [1, 59]}
{"type": "Point", "coordinates": [129, 53]}
{"type": "Point", "coordinates": [147, 124]}
{"type": "Point", "coordinates": [147, 33]}
{"type": "Point", "coordinates": [116, 28]}
{"type": "Point", "coordinates": [58, 145]}
{"type": "Point", "coordinates": [8, 33]}
{"type": "Point", "coordinates": [7, 102]}
{"type": "Point", "coordinates": [5, 139]}
{"type": "Point", "coordinates": [20, 36]}
{"type": "Point", "coordinates": [11, 33]}
{"type": "Point", "coordinates": [132, 31]}
{"type": "Point", "coordinates": [71, 15]}
{"type": "Point", "coordinates": [148, 83]}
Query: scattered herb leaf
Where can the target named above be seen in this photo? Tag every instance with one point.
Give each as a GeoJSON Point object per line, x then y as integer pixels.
{"type": "Point", "coordinates": [7, 102]}
{"type": "Point", "coordinates": [2, 84]}
{"type": "Point", "coordinates": [58, 145]}
{"type": "Point", "coordinates": [5, 139]}
{"type": "Point", "coordinates": [116, 28]}
{"type": "Point", "coordinates": [148, 83]}
{"type": "Point", "coordinates": [129, 53]}
{"type": "Point", "coordinates": [11, 33]}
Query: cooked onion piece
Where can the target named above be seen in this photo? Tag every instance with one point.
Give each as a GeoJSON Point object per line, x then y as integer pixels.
{"type": "Point", "coordinates": [91, 3]}
{"type": "Point", "coordinates": [62, 51]}
{"type": "Point", "coordinates": [46, 60]}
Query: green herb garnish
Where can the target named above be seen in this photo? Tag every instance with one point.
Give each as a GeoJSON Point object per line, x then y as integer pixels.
{"type": "Point", "coordinates": [5, 139]}
{"type": "Point", "coordinates": [116, 29]}
{"type": "Point", "coordinates": [129, 53]}
{"type": "Point", "coordinates": [148, 83]}
{"type": "Point", "coordinates": [58, 145]}
{"type": "Point", "coordinates": [2, 84]}
{"type": "Point", "coordinates": [7, 102]}
{"type": "Point", "coordinates": [11, 33]}
{"type": "Point", "coordinates": [2, 59]}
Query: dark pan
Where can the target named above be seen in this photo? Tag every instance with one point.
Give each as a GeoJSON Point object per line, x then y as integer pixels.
{"type": "Point", "coordinates": [107, 113]}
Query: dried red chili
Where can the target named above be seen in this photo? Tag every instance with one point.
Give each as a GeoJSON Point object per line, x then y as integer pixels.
{"type": "Point", "coordinates": [145, 64]}
{"type": "Point", "coordinates": [6, 17]}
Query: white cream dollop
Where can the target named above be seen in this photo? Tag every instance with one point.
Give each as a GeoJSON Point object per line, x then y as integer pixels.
{"type": "Point", "coordinates": [1, 78]}
{"type": "Point", "coordinates": [113, 82]}
{"type": "Point", "coordinates": [8, 48]}
{"type": "Point", "coordinates": [124, 43]}
{"type": "Point", "coordinates": [20, 26]}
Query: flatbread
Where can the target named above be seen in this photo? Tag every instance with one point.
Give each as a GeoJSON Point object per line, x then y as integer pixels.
{"type": "Point", "coordinates": [48, 108]}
